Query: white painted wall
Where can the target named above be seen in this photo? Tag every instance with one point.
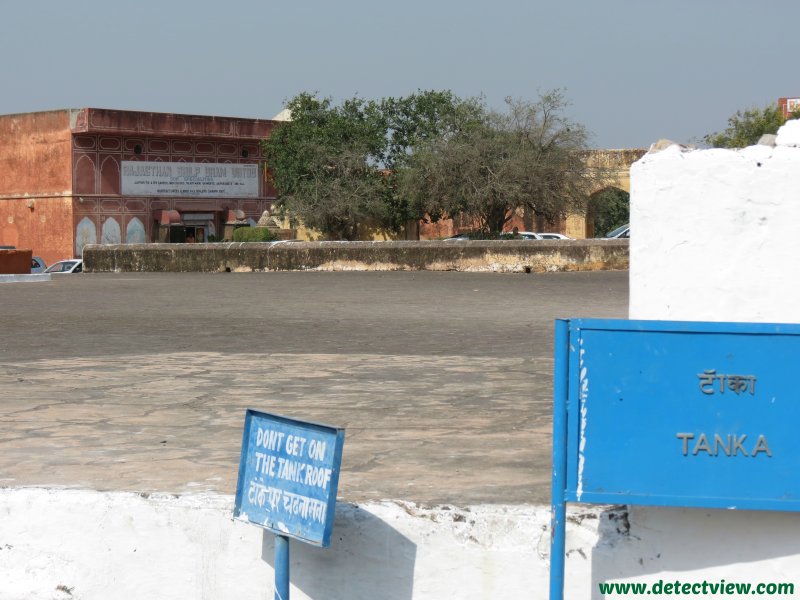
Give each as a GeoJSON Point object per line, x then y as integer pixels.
{"type": "Point", "coordinates": [77, 544]}
{"type": "Point", "coordinates": [103, 546]}
{"type": "Point", "coordinates": [715, 234]}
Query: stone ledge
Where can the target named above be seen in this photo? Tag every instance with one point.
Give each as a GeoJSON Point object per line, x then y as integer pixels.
{"type": "Point", "coordinates": [25, 278]}
{"type": "Point", "coordinates": [499, 256]}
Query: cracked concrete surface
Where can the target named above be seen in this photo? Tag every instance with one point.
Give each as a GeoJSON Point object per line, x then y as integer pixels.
{"type": "Point", "coordinates": [140, 383]}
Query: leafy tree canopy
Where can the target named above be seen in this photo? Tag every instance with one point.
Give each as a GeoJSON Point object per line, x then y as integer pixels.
{"type": "Point", "coordinates": [746, 127]}
{"type": "Point", "coordinates": [531, 156]}
{"type": "Point", "coordinates": [335, 167]}
{"type": "Point", "coordinates": [386, 162]}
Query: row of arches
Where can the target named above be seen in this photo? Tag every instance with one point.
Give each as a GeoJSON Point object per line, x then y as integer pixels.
{"type": "Point", "coordinates": [110, 233]}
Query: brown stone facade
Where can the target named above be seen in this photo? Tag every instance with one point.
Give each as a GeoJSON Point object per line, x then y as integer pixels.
{"type": "Point", "coordinates": [62, 183]}
{"type": "Point", "coordinates": [15, 262]}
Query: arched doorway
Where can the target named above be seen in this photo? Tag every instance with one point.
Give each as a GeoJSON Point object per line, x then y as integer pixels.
{"type": "Point", "coordinates": [607, 209]}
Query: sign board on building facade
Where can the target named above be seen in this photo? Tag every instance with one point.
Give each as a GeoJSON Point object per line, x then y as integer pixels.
{"type": "Point", "coordinates": [288, 476]}
{"type": "Point", "coordinates": [673, 414]}
{"type": "Point", "coordinates": [191, 180]}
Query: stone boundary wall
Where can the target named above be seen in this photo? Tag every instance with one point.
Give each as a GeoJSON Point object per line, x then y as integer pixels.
{"type": "Point", "coordinates": [500, 256]}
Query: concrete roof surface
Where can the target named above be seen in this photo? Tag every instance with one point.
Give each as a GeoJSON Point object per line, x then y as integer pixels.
{"type": "Point", "coordinates": [139, 382]}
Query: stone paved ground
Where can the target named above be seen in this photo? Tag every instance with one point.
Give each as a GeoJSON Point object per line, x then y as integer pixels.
{"type": "Point", "coordinates": [140, 381]}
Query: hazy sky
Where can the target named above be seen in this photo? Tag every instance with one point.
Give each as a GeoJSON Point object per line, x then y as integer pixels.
{"type": "Point", "coordinates": [634, 70]}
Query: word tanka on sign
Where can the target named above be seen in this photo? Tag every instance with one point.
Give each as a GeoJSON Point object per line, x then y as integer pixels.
{"type": "Point", "coordinates": [677, 414]}
{"type": "Point", "coordinates": [202, 180]}
{"type": "Point", "coordinates": [288, 476]}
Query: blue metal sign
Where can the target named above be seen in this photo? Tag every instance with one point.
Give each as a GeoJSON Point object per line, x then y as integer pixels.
{"type": "Point", "coordinates": [673, 414]}
{"type": "Point", "coordinates": [288, 476]}
{"type": "Point", "coordinates": [683, 414]}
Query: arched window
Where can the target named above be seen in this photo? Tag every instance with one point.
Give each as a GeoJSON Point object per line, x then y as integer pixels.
{"type": "Point", "coordinates": [85, 233]}
{"type": "Point", "coordinates": [111, 232]}
{"type": "Point", "coordinates": [135, 233]}
{"type": "Point", "coordinates": [109, 176]}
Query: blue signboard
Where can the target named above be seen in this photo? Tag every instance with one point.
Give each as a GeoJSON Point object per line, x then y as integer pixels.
{"type": "Point", "coordinates": [288, 476]}
{"type": "Point", "coordinates": [686, 414]}
{"type": "Point", "coordinates": [673, 414]}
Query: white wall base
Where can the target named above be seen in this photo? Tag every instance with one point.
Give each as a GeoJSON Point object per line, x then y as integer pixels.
{"type": "Point", "coordinates": [69, 544]}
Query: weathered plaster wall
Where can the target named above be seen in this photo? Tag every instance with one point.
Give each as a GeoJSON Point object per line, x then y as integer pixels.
{"type": "Point", "coordinates": [35, 154]}
{"type": "Point", "coordinates": [715, 234]}
{"type": "Point", "coordinates": [94, 546]}
{"type": "Point", "coordinates": [61, 544]}
{"type": "Point", "coordinates": [490, 256]}
{"type": "Point", "coordinates": [36, 183]}
{"type": "Point", "coordinates": [44, 225]}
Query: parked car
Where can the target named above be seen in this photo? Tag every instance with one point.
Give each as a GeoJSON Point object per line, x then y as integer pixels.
{"type": "Point", "coordinates": [37, 265]}
{"type": "Point", "coordinates": [506, 235]}
{"type": "Point", "coordinates": [520, 235]}
{"type": "Point", "coordinates": [524, 235]}
{"type": "Point", "coordinates": [623, 231]}
{"type": "Point", "coordinates": [553, 236]}
{"type": "Point", "coordinates": [74, 265]}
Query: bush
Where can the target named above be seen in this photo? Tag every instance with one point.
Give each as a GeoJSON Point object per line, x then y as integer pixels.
{"type": "Point", "coordinates": [253, 234]}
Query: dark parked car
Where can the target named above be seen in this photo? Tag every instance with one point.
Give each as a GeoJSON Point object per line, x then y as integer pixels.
{"type": "Point", "coordinates": [623, 231]}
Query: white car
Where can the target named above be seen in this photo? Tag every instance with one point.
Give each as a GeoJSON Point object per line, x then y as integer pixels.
{"type": "Point", "coordinates": [506, 235]}
{"type": "Point", "coordinates": [553, 236]}
{"type": "Point", "coordinates": [521, 235]}
{"type": "Point", "coordinates": [74, 265]}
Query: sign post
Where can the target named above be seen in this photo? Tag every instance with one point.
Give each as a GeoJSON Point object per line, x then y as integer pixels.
{"type": "Point", "coordinates": [662, 413]}
{"type": "Point", "coordinates": [288, 478]}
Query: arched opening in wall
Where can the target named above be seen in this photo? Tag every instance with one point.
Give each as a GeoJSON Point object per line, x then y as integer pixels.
{"type": "Point", "coordinates": [134, 232]}
{"type": "Point", "coordinates": [111, 233]}
{"type": "Point", "coordinates": [84, 176]}
{"type": "Point", "coordinates": [85, 233]}
{"type": "Point", "coordinates": [607, 209]}
{"type": "Point", "coordinates": [109, 176]}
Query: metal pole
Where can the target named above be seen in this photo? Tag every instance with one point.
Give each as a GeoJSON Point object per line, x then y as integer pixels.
{"type": "Point", "coordinates": [281, 567]}
{"type": "Point", "coordinates": [558, 518]}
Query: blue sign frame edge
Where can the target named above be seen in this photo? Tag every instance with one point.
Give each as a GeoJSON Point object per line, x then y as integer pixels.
{"type": "Point", "coordinates": [337, 460]}
{"type": "Point", "coordinates": [682, 326]}
{"type": "Point", "coordinates": [567, 361]}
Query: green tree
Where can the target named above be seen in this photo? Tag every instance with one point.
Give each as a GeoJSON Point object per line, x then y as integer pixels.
{"type": "Point", "coordinates": [321, 163]}
{"type": "Point", "coordinates": [530, 156]}
{"type": "Point", "coordinates": [336, 167]}
{"type": "Point", "coordinates": [746, 127]}
{"type": "Point", "coordinates": [610, 209]}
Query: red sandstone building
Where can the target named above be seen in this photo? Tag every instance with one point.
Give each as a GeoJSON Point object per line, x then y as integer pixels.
{"type": "Point", "coordinates": [81, 176]}
{"type": "Point", "coordinates": [788, 106]}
